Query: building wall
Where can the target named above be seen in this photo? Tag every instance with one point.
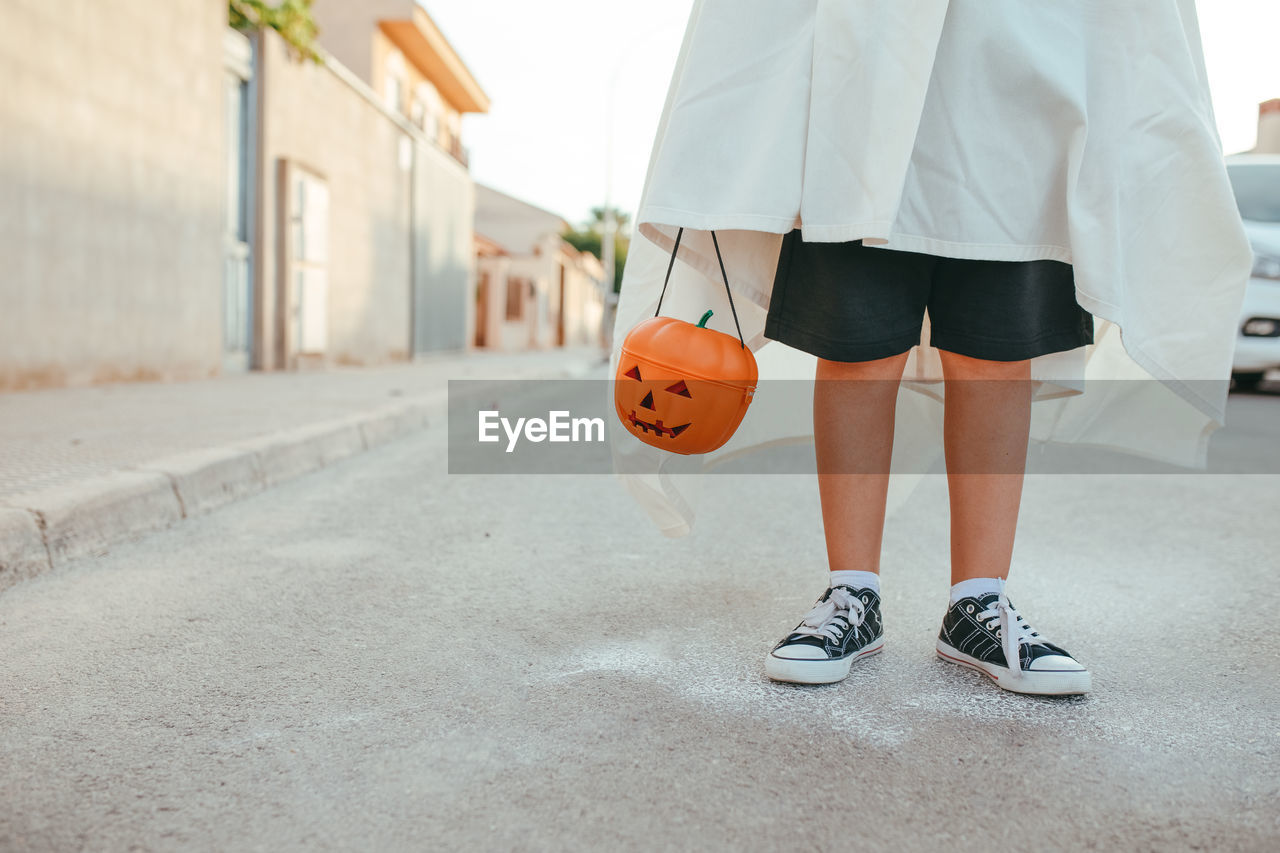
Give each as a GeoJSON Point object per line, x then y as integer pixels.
{"type": "Point", "coordinates": [502, 331]}
{"type": "Point", "coordinates": [444, 212]}
{"type": "Point", "coordinates": [112, 191]}
{"type": "Point", "coordinates": [583, 303]}
{"type": "Point", "coordinates": [1269, 127]}
{"type": "Point", "coordinates": [316, 119]}
{"type": "Point", "coordinates": [539, 307]}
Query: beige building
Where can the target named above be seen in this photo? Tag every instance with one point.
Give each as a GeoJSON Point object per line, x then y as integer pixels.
{"type": "Point", "coordinates": [395, 47]}
{"type": "Point", "coordinates": [400, 56]}
{"type": "Point", "coordinates": [1268, 127]}
{"type": "Point", "coordinates": [366, 146]}
{"type": "Point", "coordinates": [533, 289]}
{"type": "Point", "coordinates": [178, 200]}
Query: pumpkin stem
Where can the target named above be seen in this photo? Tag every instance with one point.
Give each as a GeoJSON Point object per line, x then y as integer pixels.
{"type": "Point", "coordinates": [702, 324]}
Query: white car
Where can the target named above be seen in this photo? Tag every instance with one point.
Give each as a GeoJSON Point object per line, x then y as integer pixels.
{"type": "Point", "coordinates": [1256, 181]}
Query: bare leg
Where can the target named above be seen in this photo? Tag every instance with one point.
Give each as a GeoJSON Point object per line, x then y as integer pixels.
{"type": "Point", "coordinates": [986, 426]}
{"type": "Point", "coordinates": [853, 436]}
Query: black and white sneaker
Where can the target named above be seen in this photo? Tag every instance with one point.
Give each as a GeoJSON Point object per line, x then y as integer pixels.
{"type": "Point", "coordinates": [986, 633]}
{"type": "Point", "coordinates": [843, 626]}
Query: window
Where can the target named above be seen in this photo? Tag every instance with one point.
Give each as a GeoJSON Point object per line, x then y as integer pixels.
{"type": "Point", "coordinates": [394, 94]}
{"type": "Point", "coordinates": [394, 86]}
{"type": "Point", "coordinates": [428, 119]}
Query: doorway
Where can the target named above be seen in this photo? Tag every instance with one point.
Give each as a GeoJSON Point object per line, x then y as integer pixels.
{"type": "Point", "coordinates": [304, 275]}
{"type": "Point", "coordinates": [237, 275]}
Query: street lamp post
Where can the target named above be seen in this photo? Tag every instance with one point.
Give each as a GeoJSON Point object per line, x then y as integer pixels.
{"type": "Point", "coordinates": [610, 221]}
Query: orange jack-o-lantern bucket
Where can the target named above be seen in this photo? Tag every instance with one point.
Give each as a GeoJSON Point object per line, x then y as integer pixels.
{"type": "Point", "coordinates": [682, 387]}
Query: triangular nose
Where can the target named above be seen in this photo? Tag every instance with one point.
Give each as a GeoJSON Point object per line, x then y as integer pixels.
{"type": "Point", "coordinates": [647, 402]}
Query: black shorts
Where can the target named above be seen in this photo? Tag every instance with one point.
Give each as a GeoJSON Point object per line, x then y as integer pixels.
{"type": "Point", "coordinates": [849, 302]}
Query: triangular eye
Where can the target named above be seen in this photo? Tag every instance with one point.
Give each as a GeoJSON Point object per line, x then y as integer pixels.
{"type": "Point", "coordinates": [680, 388]}
{"type": "Point", "coordinates": [634, 372]}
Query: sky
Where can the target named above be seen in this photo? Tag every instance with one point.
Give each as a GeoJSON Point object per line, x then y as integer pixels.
{"type": "Point", "coordinates": [553, 69]}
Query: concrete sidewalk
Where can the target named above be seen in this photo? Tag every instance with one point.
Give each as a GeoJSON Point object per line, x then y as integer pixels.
{"type": "Point", "coordinates": [81, 468]}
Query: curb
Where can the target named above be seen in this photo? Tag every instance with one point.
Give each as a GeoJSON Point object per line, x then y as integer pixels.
{"type": "Point", "coordinates": [41, 530]}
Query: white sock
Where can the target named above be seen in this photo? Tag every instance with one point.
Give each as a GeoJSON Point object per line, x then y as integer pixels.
{"type": "Point", "coordinates": [974, 588]}
{"type": "Point", "coordinates": [856, 579]}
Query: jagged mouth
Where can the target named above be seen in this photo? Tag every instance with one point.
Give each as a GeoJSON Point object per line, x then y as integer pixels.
{"type": "Point", "coordinates": [658, 427]}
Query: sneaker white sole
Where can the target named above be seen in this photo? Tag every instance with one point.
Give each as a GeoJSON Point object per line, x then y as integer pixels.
{"type": "Point", "coordinates": [801, 671]}
{"type": "Point", "coordinates": [1049, 683]}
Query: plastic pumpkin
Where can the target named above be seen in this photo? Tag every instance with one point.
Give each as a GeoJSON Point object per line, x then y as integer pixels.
{"type": "Point", "coordinates": [682, 387]}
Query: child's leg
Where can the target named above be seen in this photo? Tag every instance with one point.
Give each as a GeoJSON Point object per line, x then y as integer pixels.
{"type": "Point", "coordinates": [853, 412]}
{"type": "Point", "coordinates": [987, 422]}
{"type": "Point", "coordinates": [853, 434]}
{"type": "Point", "coordinates": [986, 425]}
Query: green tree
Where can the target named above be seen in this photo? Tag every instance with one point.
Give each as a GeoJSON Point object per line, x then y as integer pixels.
{"type": "Point", "coordinates": [590, 238]}
{"type": "Point", "coordinates": [292, 19]}
{"type": "Point", "coordinates": [597, 217]}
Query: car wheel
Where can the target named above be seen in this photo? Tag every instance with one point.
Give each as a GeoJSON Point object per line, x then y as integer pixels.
{"type": "Point", "coordinates": [1246, 381]}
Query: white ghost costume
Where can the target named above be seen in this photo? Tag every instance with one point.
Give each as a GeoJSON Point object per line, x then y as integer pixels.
{"type": "Point", "coordinates": [1002, 130]}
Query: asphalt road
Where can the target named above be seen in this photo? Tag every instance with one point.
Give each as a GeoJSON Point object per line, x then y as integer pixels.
{"type": "Point", "coordinates": [382, 656]}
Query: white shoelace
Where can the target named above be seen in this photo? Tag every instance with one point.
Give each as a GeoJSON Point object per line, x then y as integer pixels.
{"type": "Point", "coordinates": [1014, 630]}
{"type": "Point", "coordinates": [820, 621]}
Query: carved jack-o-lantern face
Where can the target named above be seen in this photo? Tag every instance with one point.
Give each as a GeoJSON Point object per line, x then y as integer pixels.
{"type": "Point", "coordinates": [682, 387]}
{"type": "Point", "coordinates": [647, 418]}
